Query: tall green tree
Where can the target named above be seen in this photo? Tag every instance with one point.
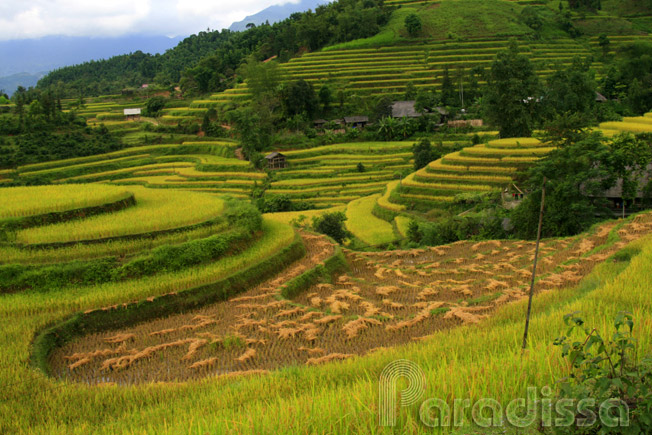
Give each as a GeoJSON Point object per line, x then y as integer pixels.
{"type": "Point", "coordinates": [299, 98]}
{"type": "Point", "coordinates": [513, 93]}
{"type": "Point", "coordinates": [448, 94]}
{"type": "Point", "coordinates": [424, 153]}
{"type": "Point", "coordinates": [571, 89]}
{"type": "Point", "coordinates": [629, 159]}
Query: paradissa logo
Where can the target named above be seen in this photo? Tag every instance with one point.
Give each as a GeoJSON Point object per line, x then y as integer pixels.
{"type": "Point", "coordinates": [540, 408]}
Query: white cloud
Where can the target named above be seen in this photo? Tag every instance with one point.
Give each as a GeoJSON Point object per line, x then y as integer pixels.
{"type": "Point", "coordinates": [36, 18]}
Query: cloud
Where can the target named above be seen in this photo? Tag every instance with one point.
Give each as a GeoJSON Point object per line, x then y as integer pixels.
{"type": "Point", "coordinates": [37, 18]}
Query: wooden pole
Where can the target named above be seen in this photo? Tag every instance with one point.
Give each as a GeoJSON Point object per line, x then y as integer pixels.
{"type": "Point", "coordinates": [534, 268]}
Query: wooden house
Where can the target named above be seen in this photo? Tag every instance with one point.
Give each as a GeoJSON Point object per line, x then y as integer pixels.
{"type": "Point", "coordinates": [356, 121]}
{"type": "Point", "coordinates": [276, 160]}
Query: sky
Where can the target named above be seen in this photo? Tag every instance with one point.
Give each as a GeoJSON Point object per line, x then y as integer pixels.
{"type": "Point", "coordinates": [26, 19]}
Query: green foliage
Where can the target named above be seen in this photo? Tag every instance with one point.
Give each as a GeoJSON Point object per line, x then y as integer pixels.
{"type": "Point", "coordinates": [586, 4]}
{"type": "Point", "coordinates": [45, 146]}
{"type": "Point", "coordinates": [513, 92]}
{"type": "Point", "coordinates": [628, 161]}
{"type": "Point", "coordinates": [424, 153]}
{"type": "Point", "coordinates": [325, 98]}
{"type": "Point", "coordinates": [360, 167]}
{"type": "Point", "coordinates": [531, 18]}
{"type": "Point", "coordinates": [299, 98]}
{"type": "Point", "coordinates": [604, 43]}
{"type": "Point", "coordinates": [279, 203]}
{"type": "Point", "coordinates": [571, 90]}
{"type": "Point", "coordinates": [413, 25]}
{"type": "Point", "coordinates": [577, 173]}
{"type": "Point", "coordinates": [154, 106]}
{"type": "Point", "coordinates": [331, 224]}
{"type": "Point", "coordinates": [607, 378]}
{"type": "Point", "coordinates": [476, 226]}
{"type": "Point", "coordinates": [448, 93]}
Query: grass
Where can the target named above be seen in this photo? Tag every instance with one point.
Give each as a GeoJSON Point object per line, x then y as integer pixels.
{"type": "Point", "coordinates": [367, 227]}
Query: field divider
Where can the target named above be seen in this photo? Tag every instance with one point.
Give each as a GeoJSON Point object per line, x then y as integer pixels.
{"type": "Point", "coordinates": [323, 271]}
{"type": "Point", "coordinates": [147, 235]}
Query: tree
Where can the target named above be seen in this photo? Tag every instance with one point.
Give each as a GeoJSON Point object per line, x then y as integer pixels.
{"type": "Point", "coordinates": [299, 98]}
{"type": "Point", "coordinates": [512, 96]}
{"type": "Point", "coordinates": [154, 106]}
{"type": "Point", "coordinates": [413, 24]}
{"type": "Point", "coordinates": [383, 108]}
{"type": "Point", "coordinates": [629, 160]}
{"type": "Point", "coordinates": [571, 89]}
{"type": "Point", "coordinates": [531, 18]}
{"type": "Point", "coordinates": [325, 98]}
{"type": "Point", "coordinates": [410, 91]}
{"type": "Point", "coordinates": [263, 79]}
{"type": "Point", "coordinates": [577, 174]}
{"type": "Point", "coordinates": [360, 167]}
{"type": "Point", "coordinates": [604, 43]}
{"type": "Point", "coordinates": [331, 224]}
{"type": "Point", "coordinates": [424, 153]}
{"type": "Point", "coordinates": [388, 127]}
{"type": "Point", "coordinates": [447, 89]}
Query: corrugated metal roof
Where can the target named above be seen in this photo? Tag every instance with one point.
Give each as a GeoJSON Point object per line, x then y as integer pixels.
{"type": "Point", "coordinates": [132, 112]}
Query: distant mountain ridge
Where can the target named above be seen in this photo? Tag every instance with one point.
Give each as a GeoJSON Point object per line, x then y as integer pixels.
{"type": "Point", "coordinates": [276, 13]}
{"type": "Point", "coordinates": [26, 60]}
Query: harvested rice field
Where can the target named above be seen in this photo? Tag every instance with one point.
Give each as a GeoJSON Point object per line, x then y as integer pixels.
{"type": "Point", "coordinates": [385, 299]}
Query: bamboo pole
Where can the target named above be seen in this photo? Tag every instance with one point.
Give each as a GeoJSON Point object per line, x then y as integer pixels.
{"type": "Point", "coordinates": [534, 268]}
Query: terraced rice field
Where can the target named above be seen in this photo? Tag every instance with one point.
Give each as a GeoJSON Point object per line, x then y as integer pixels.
{"type": "Point", "coordinates": [328, 176]}
{"type": "Point", "coordinates": [155, 211]}
{"type": "Point", "coordinates": [387, 298]}
{"type": "Point", "coordinates": [20, 202]}
{"type": "Point", "coordinates": [477, 169]}
{"type": "Point", "coordinates": [387, 70]}
{"type": "Point", "coordinates": [635, 125]}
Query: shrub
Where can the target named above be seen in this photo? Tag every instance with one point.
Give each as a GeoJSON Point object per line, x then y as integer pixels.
{"type": "Point", "coordinates": [603, 371]}
{"type": "Point", "coordinates": [331, 224]}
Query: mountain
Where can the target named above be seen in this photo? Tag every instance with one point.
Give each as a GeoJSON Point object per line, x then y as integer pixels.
{"type": "Point", "coordinates": [10, 83]}
{"type": "Point", "coordinates": [26, 59]}
{"type": "Point", "coordinates": [277, 13]}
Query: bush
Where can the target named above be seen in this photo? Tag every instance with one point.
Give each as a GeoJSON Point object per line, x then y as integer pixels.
{"type": "Point", "coordinates": [413, 24]}
{"type": "Point", "coordinates": [606, 372]}
{"type": "Point", "coordinates": [331, 224]}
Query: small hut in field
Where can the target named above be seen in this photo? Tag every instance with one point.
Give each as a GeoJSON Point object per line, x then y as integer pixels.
{"type": "Point", "coordinates": [276, 160]}
{"type": "Point", "coordinates": [132, 114]}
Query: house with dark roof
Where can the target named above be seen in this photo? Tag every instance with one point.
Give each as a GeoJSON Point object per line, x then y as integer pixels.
{"type": "Point", "coordinates": [356, 121]}
{"type": "Point", "coordinates": [404, 109]}
{"type": "Point", "coordinates": [276, 160]}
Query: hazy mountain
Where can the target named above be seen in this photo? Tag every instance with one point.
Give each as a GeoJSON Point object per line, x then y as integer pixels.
{"type": "Point", "coordinates": [10, 83]}
{"type": "Point", "coordinates": [277, 13]}
{"type": "Point", "coordinates": [23, 60]}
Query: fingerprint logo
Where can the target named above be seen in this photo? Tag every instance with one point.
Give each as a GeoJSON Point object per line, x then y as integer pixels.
{"type": "Point", "coordinates": [388, 393]}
